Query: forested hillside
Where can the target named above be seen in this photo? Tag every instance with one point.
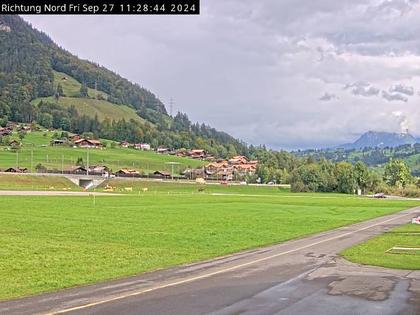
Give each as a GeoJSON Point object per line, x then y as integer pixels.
{"type": "Point", "coordinates": [30, 92]}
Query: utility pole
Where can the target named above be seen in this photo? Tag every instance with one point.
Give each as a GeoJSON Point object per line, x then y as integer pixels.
{"type": "Point", "coordinates": [32, 157]}
{"type": "Point", "coordinates": [172, 167]}
{"type": "Point", "coordinates": [87, 162]}
{"type": "Point", "coordinates": [171, 106]}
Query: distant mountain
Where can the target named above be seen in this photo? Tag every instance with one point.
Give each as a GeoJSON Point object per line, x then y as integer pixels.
{"type": "Point", "coordinates": [375, 139]}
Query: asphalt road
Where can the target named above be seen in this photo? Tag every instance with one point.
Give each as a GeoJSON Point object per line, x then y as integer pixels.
{"type": "Point", "coordinates": [303, 276]}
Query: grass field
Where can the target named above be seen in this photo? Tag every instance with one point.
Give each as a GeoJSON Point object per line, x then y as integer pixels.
{"type": "Point", "coordinates": [88, 106]}
{"type": "Point", "coordinates": [91, 107]}
{"type": "Point", "coordinates": [29, 182]}
{"type": "Point", "coordinates": [155, 186]}
{"type": "Point", "coordinates": [50, 243]}
{"type": "Point", "coordinates": [71, 87]}
{"type": "Point", "coordinates": [115, 158]}
{"type": "Point", "coordinates": [374, 252]}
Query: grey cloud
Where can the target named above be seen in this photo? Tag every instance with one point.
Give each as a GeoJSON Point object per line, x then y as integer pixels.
{"type": "Point", "coordinates": [394, 97]}
{"type": "Point", "coordinates": [362, 89]}
{"type": "Point", "coordinates": [403, 89]}
{"type": "Point", "coordinates": [328, 97]}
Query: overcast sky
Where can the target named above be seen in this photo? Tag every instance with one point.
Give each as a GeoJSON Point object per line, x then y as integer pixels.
{"type": "Point", "coordinates": [286, 73]}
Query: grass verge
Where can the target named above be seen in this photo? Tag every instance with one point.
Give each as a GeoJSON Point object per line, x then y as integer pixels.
{"type": "Point", "coordinates": [377, 251]}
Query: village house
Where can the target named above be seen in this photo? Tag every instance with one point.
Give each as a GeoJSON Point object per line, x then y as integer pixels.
{"type": "Point", "coordinates": [77, 170]}
{"type": "Point", "coordinates": [58, 142]}
{"type": "Point", "coordinates": [162, 174]}
{"type": "Point", "coordinates": [142, 146]}
{"type": "Point", "coordinates": [99, 170]}
{"type": "Point", "coordinates": [162, 150]}
{"type": "Point", "coordinates": [25, 128]}
{"type": "Point", "coordinates": [5, 131]}
{"type": "Point", "coordinates": [75, 138]}
{"type": "Point", "coordinates": [181, 152]}
{"type": "Point", "coordinates": [197, 154]}
{"type": "Point", "coordinates": [125, 172]}
{"type": "Point", "coordinates": [14, 143]}
{"type": "Point", "coordinates": [239, 159]}
{"type": "Point", "coordinates": [89, 144]}
{"type": "Point", "coordinates": [16, 170]}
{"type": "Point", "coordinates": [195, 173]}
{"type": "Point", "coordinates": [125, 144]}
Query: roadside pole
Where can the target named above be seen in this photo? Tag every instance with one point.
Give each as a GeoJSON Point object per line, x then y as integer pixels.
{"type": "Point", "coordinates": [87, 161]}
{"type": "Point", "coordinates": [32, 157]}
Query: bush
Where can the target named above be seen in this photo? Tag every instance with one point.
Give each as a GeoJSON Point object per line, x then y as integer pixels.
{"type": "Point", "coordinates": [40, 168]}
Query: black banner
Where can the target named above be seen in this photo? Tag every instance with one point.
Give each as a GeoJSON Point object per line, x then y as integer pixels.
{"type": "Point", "coordinates": [142, 7]}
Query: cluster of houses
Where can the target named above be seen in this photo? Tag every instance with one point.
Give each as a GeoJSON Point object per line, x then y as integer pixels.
{"type": "Point", "coordinates": [5, 131]}
{"type": "Point", "coordinates": [96, 170]}
{"type": "Point", "coordinates": [225, 170]}
{"type": "Point", "coordinates": [228, 169]}
{"type": "Point", "coordinates": [8, 129]}
{"type": "Point", "coordinates": [137, 146]}
{"type": "Point", "coordinates": [198, 154]}
{"type": "Point", "coordinates": [234, 168]}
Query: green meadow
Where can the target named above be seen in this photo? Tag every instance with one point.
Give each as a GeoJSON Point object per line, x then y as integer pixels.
{"type": "Point", "coordinates": [377, 250]}
{"type": "Point", "coordinates": [37, 146]}
{"type": "Point", "coordinates": [30, 182]}
{"type": "Point", "coordinates": [50, 243]}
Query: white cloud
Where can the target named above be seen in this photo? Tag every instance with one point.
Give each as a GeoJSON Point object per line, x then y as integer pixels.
{"type": "Point", "coordinates": [403, 89]}
{"type": "Point", "coordinates": [362, 89]}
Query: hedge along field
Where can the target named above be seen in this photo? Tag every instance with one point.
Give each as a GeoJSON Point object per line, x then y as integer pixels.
{"type": "Point", "coordinates": [49, 243]}
{"type": "Point", "coordinates": [115, 158]}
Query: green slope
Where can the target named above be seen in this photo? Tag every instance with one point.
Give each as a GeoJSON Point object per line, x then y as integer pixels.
{"type": "Point", "coordinates": [91, 107]}
{"type": "Point", "coordinates": [88, 106]}
{"type": "Point", "coordinates": [71, 87]}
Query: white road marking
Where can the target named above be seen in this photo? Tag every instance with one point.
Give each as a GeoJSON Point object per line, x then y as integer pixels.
{"type": "Point", "coordinates": [192, 279]}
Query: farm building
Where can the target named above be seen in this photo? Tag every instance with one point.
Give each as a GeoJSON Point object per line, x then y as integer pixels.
{"type": "Point", "coordinates": [162, 150]}
{"type": "Point", "coordinates": [127, 172]}
{"type": "Point", "coordinates": [101, 170]}
{"type": "Point", "coordinates": [125, 144]}
{"type": "Point", "coordinates": [57, 142]}
{"type": "Point", "coordinates": [78, 170]}
{"type": "Point", "coordinates": [197, 154]}
{"type": "Point", "coordinates": [14, 143]}
{"type": "Point", "coordinates": [162, 174]}
{"type": "Point", "coordinates": [5, 131]}
{"type": "Point", "coordinates": [90, 144]}
{"type": "Point", "coordinates": [142, 146]}
{"type": "Point", "coordinates": [16, 170]}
